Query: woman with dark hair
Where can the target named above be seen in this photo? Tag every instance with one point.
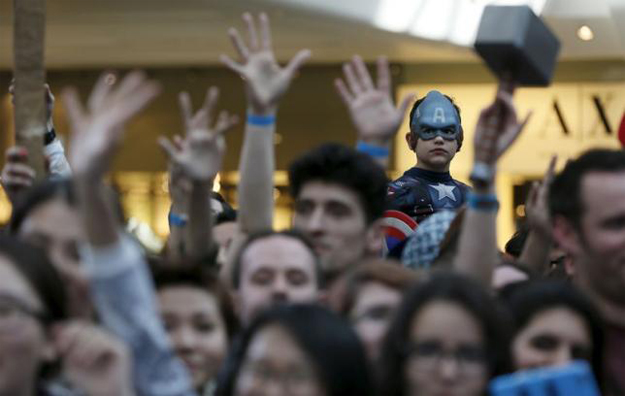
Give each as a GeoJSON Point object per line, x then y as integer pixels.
{"type": "Point", "coordinates": [31, 299]}
{"type": "Point", "coordinates": [296, 350]}
{"type": "Point", "coordinates": [47, 217]}
{"type": "Point", "coordinates": [448, 337]}
{"type": "Point", "coordinates": [372, 293]}
{"type": "Point", "coordinates": [33, 337]}
{"type": "Point", "coordinates": [554, 325]}
{"type": "Point", "coordinates": [199, 317]}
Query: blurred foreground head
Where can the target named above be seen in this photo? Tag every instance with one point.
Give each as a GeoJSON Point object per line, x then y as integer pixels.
{"type": "Point", "coordinates": [32, 297]}
{"type": "Point", "coordinates": [448, 337]}
{"type": "Point", "coordinates": [296, 350]}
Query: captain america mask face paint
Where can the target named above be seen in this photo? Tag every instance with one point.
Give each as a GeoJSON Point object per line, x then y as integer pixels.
{"type": "Point", "coordinates": [436, 116]}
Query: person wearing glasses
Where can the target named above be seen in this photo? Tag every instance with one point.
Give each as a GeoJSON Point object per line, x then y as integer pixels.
{"type": "Point", "coordinates": [448, 338]}
{"type": "Point", "coordinates": [35, 335]}
{"type": "Point", "coordinates": [298, 349]}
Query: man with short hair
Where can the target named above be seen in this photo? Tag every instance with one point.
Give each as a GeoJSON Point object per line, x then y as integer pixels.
{"type": "Point", "coordinates": [273, 268]}
{"type": "Point", "coordinates": [587, 204]}
{"type": "Point", "coordinates": [339, 198]}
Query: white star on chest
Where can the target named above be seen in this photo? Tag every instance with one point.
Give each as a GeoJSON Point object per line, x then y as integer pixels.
{"type": "Point", "coordinates": [444, 191]}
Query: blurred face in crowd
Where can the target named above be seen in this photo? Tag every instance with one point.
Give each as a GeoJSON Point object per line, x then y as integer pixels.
{"type": "Point", "coordinates": [275, 269]}
{"type": "Point", "coordinates": [553, 337]}
{"type": "Point", "coordinates": [274, 364]}
{"type": "Point", "coordinates": [598, 244]}
{"type": "Point", "coordinates": [374, 307]}
{"type": "Point", "coordinates": [196, 328]}
{"type": "Point", "coordinates": [333, 217]}
{"type": "Point", "coordinates": [55, 227]}
{"type": "Point", "coordinates": [23, 344]}
{"type": "Point", "coordinates": [447, 353]}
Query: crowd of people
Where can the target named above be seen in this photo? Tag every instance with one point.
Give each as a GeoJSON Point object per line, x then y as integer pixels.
{"type": "Point", "coordinates": [340, 304]}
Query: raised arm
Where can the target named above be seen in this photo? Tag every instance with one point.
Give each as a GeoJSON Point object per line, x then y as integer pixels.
{"type": "Point", "coordinates": [371, 107]}
{"type": "Point", "coordinates": [120, 283]}
{"type": "Point", "coordinates": [17, 175]}
{"type": "Point", "coordinates": [195, 161]}
{"type": "Point", "coordinates": [265, 83]}
{"type": "Point", "coordinates": [97, 133]}
{"type": "Point", "coordinates": [496, 130]}
{"type": "Point", "coordinates": [535, 254]}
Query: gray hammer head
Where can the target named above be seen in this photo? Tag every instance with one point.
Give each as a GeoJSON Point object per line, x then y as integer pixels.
{"type": "Point", "coordinates": [517, 45]}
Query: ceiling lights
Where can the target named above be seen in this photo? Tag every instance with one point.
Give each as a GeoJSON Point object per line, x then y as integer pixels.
{"type": "Point", "coordinates": [585, 33]}
{"type": "Point", "coordinates": [455, 21]}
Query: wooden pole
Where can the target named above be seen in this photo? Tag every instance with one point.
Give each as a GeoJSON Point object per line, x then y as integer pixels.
{"type": "Point", "coordinates": [29, 74]}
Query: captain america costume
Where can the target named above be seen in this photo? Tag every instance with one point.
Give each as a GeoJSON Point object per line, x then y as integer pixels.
{"type": "Point", "coordinates": [418, 193]}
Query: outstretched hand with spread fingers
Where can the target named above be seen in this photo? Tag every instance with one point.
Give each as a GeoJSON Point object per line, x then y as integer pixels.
{"type": "Point", "coordinates": [98, 129]}
{"type": "Point", "coordinates": [266, 80]}
{"type": "Point", "coordinates": [200, 154]}
{"type": "Point", "coordinates": [371, 107]}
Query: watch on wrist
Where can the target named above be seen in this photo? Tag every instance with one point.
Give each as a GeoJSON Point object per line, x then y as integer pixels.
{"type": "Point", "coordinates": [49, 136]}
{"type": "Point", "coordinates": [482, 174]}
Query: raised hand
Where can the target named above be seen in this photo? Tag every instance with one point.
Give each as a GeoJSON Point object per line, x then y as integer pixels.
{"type": "Point", "coordinates": [98, 129]}
{"type": "Point", "coordinates": [94, 361]}
{"type": "Point", "coordinates": [371, 107]}
{"type": "Point", "coordinates": [17, 177]}
{"type": "Point", "coordinates": [200, 154]}
{"type": "Point", "coordinates": [497, 127]}
{"type": "Point", "coordinates": [537, 205]}
{"type": "Point", "coordinates": [265, 80]}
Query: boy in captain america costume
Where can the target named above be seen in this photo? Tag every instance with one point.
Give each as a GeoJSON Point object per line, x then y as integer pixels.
{"type": "Point", "coordinates": [434, 124]}
{"type": "Point", "coordinates": [435, 136]}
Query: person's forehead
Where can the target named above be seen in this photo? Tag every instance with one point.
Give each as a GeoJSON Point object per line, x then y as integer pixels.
{"type": "Point", "coordinates": [14, 284]}
{"type": "Point", "coordinates": [278, 252]}
{"type": "Point", "coordinates": [273, 342]}
{"type": "Point", "coordinates": [54, 218]}
{"type": "Point", "coordinates": [603, 193]}
{"type": "Point", "coordinates": [373, 292]}
{"type": "Point", "coordinates": [187, 299]}
{"type": "Point", "coordinates": [323, 193]}
{"type": "Point", "coordinates": [447, 320]}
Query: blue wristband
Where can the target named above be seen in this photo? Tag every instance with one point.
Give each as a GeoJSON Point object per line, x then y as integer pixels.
{"type": "Point", "coordinates": [483, 202]}
{"type": "Point", "coordinates": [261, 120]}
{"type": "Point", "coordinates": [176, 220]}
{"type": "Point", "coordinates": [374, 151]}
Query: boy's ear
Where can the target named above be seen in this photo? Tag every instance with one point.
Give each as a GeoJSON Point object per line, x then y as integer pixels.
{"type": "Point", "coordinates": [411, 139]}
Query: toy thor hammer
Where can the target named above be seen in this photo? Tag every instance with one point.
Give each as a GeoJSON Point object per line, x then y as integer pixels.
{"type": "Point", "coordinates": [520, 50]}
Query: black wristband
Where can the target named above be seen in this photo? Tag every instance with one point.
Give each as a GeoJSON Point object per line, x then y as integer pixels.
{"type": "Point", "coordinates": [49, 136]}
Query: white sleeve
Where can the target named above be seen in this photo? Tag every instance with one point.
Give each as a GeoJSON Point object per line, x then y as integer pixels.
{"type": "Point", "coordinates": [55, 153]}
{"type": "Point", "coordinates": [124, 297]}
